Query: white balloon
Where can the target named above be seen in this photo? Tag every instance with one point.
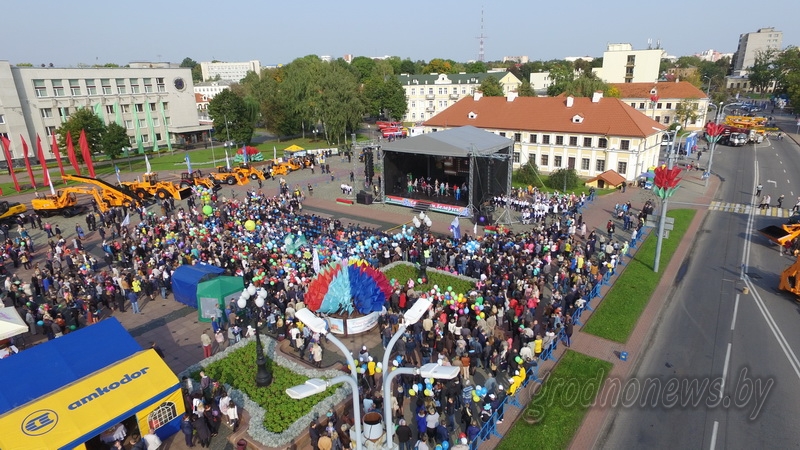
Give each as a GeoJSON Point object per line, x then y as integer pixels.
{"type": "Point", "coordinates": [251, 289]}
{"type": "Point", "coordinates": [242, 302]}
{"type": "Point", "coordinates": [259, 301]}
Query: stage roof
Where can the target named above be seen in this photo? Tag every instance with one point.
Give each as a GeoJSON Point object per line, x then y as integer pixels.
{"type": "Point", "coordinates": [455, 142]}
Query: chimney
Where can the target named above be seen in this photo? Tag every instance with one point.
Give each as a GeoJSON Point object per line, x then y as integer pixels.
{"type": "Point", "coordinates": [510, 96]}
{"type": "Point", "coordinates": [477, 95]}
{"type": "Point", "coordinates": [570, 101]}
{"type": "Point", "coordinates": [597, 96]}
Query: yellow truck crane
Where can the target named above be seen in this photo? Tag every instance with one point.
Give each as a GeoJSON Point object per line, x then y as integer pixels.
{"type": "Point", "coordinates": [151, 186]}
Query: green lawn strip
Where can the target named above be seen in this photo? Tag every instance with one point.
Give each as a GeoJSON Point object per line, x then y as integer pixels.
{"type": "Point", "coordinates": [560, 404]}
{"type": "Point", "coordinates": [404, 272]}
{"type": "Point", "coordinates": [617, 314]}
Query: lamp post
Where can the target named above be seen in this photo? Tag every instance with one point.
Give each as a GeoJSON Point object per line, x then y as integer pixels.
{"type": "Point", "coordinates": [714, 140]}
{"type": "Point", "coordinates": [319, 325]}
{"type": "Point", "coordinates": [665, 203]}
{"type": "Point", "coordinates": [253, 300]}
{"type": "Point", "coordinates": [213, 156]}
{"type": "Point", "coordinates": [423, 224]}
{"type": "Point", "coordinates": [318, 385]}
{"type": "Point", "coordinates": [709, 85]}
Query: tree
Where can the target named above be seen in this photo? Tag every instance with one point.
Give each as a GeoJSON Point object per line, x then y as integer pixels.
{"type": "Point", "coordinates": [562, 73]}
{"type": "Point", "coordinates": [528, 175]}
{"type": "Point", "coordinates": [227, 106]}
{"type": "Point", "coordinates": [384, 95]}
{"type": "Point", "coordinates": [437, 65]}
{"type": "Point", "coordinates": [475, 67]}
{"type": "Point", "coordinates": [188, 62]}
{"type": "Point", "coordinates": [113, 140]}
{"type": "Point", "coordinates": [82, 119]}
{"type": "Point", "coordinates": [763, 72]}
{"type": "Point", "coordinates": [586, 85]}
{"type": "Point", "coordinates": [525, 89]}
{"type": "Point", "coordinates": [338, 108]}
{"type": "Point", "coordinates": [564, 179]}
{"type": "Point", "coordinates": [490, 87]}
{"type": "Point", "coordinates": [365, 66]}
{"type": "Point", "coordinates": [409, 67]}
{"type": "Point", "coordinates": [583, 66]}
{"type": "Point", "coordinates": [687, 111]}
{"type": "Point", "coordinates": [788, 75]}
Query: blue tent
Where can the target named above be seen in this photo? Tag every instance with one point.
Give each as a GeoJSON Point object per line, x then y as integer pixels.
{"type": "Point", "coordinates": [186, 278]}
{"type": "Point", "coordinates": [48, 367]}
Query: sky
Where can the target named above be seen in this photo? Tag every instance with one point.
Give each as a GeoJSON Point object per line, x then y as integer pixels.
{"type": "Point", "coordinates": [277, 32]}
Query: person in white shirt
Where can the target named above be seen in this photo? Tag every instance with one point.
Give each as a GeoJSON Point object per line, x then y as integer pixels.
{"type": "Point", "coordinates": [153, 441]}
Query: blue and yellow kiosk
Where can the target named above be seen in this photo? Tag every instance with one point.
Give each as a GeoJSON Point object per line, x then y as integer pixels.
{"type": "Point", "coordinates": [86, 389]}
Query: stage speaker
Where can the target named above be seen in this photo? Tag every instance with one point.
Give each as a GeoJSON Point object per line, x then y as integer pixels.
{"type": "Point", "coordinates": [364, 198]}
{"type": "Point", "coordinates": [483, 219]}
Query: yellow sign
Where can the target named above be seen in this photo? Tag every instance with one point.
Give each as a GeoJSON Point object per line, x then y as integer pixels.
{"type": "Point", "coordinates": [83, 409]}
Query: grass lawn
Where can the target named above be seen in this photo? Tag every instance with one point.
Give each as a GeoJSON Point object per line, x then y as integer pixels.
{"type": "Point", "coordinates": [621, 307]}
{"type": "Point", "coordinates": [404, 272]}
{"type": "Point", "coordinates": [560, 404]}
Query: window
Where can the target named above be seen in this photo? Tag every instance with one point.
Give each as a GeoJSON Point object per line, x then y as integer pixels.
{"type": "Point", "coordinates": [152, 107]}
{"type": "Point", "coordinates": [602, 143]}
{"type": "Point", "coordinates": [641, 105]}
{"type": "Point", "coordinates": [145, 138]}
{"type": "Point", "coordinates": [125, 108]}
{"type": "Point", "coordinates": [622, 167]}
{"type": "Point", "coordinates": [545, 160]}
{"type": "Point", "coordinates": [455, 90]}
{"type": "Point", "coordinates": [585, 164]}
{"type": "Point", "coordinates": [129, 124]}
{"type": "Point", "coordinates": [121, 89]}
{"type": "Point", "coordinates": [666, 119]}
{"type": "Point", "coordinates": [167, 120]}
{"type": "Point", "coordinates": [413, 91]}
{"type": "Point", "coordinates": [160, 85]}
{"type": "Point", "coordinates": [557, 161]}
{"type": "Point", "coordinates": [2, 118]}
{"type": "Point", "coordinates": [559, 140]}
{"type": "Point", "coordinates": [517, 137]}
{"type": "Point", "coordinates": [91, 87]}
{"type": "Point", "coordinates": [658, 105]}
{"type": "Point", "coordinates": [162, 415]}
{"type": "Point", "coordinates": [106, 85]}
{"type": "Point", "coordinates": [50, 131]}
{"type": "Point", "coordinates": [625, 144]}
{"type": "Point", "coordinates": [58, 88]}
{"type": "Point", "coordinates": [545, 139]}
{"type": "Point", "coordinates": [631, 59]}
{"type": "Point", "coordinates": [134, 85]}
{"type": "Point", "coordinates": [573, 141]}
{"type": "Point", "coordinates": [413, 104]}
{"type": "Point", "coordinates": [40, 88]}
{"type": "Point", "coordinates": [502, 134]}
{"type": "Point", "coordinates": [148, 85]}
{"type": "Point", "coordinates": [63, 113]}
{"type": "Point", "coordinates": [142, 123]}
{"type": "Point", "coordinates": [109, 109]}
{"type": "Point", "coordinates": [669, 105]}
{"type": "Point", "coordinates": [516, 157]}
{"type": "Point", "coordinates": [139, 107]}
{"type": "Point", "coordinates": [165, 105]}
{"type": "Point", "coordinates": [440, 91]}
{"type": "Point", "coordinates": [633, 105]}
{"type": "Point", "coordinates": [600, 165]}
{"type": "Point", "coordinates": [430, 91]}
{"type": "Point", "coordinates": [463, 90]}
{"type": "Point", "coordinates": [587, 142]}
{"type": "Point", "coordinates": [74, 87]}
{"type": "Point", "coordinates": [413, 116]}
{"type": "Point", "coordinates": [533, 138]}
{"type": "Point", "coordinates": [158, 136]}
{"type": "Point", "coordinates": [155, 122]}
{"type": "Point", "coordinates": [47, 113]}
{"type": "Point", "coordinates": [657, 119]}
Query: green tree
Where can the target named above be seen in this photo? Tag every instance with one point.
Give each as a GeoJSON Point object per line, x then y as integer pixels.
{"type": "Point", "coordinates": [562, 73]}
{"type": "Point", "coordinates": [113, 139]}
{"type": "Point", "coordinates": [24, 64]}
{"type": "Point", "coordinates": [525, 89]}
{"type": "Point", "coordinates": [409, 67]}
{"type": "Point", "coordinates": [338, 108]}
{"type": "Point", "coordinates": [564, 180]}
{"type": "Point", "coordinates": [475, 67]}
{"type": "Point", "coordinates": [788, 75]}
{"type": "Point", "coordinates": [583, 66]}
{"type": "Point", "coordinates": [197, 74]}
{"type": "Point", "coordinates": [437, 65]}
{"type": "Point", "coordinates": [365, 67]}
{"type": "Point", "coordinates": [230, 113]}
{"type": "Point", "coordinates": [490, 87]}
{"type": "Point", "coordinates": [188, 62]}
{"type": "Point", "coordinates": [586, 85]}
{"type": "Point", "coordinates": [528, 175]}
{"type": "Point", "coordinates": [384, 95]}
{"type": "Point", "coordinates": [687, 111]}
{"type": "Point", "coordinates": [82, 119]}
{"type": "Point", "coordinates": [764, 71]}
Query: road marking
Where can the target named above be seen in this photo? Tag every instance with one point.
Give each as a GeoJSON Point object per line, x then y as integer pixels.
{"type": "Point", "coordinates": [776, 331]}
{"type": "Point", "coordinates": [735, 311]}
{"type": "Point", "coordinates": [714, 435]}
{"type": "Point", "coordinates": [725, 368]}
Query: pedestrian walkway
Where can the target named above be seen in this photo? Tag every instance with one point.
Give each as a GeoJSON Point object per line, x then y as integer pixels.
{"type": "Point", "coordinates": [771, 211]}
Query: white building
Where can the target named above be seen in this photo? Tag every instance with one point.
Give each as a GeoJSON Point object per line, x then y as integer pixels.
{"type": "Point", "coordinates": [590, 135]}
{"type": "Point", "coordinates": [540, 81]}
{"type": "Point", "coordinates": [210, 89]}
{"type": "Point", "coordinates": [157, 105]}
{"type": "Point", "coordinates": [428, 95]}
{"type": "Point", "coordinates": [750, 44]}
{"type": "Point", "coordinates": [659, 101]}
{"type": "Point", "coordinates": [623, 64]}
{"type": "Point", "coordinates": [231, 71]}
{"type": "Point", "coordinates": [522, 59]}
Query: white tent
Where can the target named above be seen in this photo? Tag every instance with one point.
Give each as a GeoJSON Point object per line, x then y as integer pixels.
{"type": "Point", "coordinates": [11, 324]}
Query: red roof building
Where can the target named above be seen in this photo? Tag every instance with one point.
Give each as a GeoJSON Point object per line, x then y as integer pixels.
{"type": "Point", "coordinates": [660, 101]}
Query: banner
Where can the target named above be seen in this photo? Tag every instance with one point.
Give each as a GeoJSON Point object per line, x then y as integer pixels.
{"type": "Point", "coordinates": [71, 154]}
{"type": "Point", "coordinates": [86, 152]}
{"type": "Point", "coordinates": [57, 154]}
{"type": "Point", "coordinates": [7, 152]}
{"type": "Point", "coordinates": [27, 161]}
{"type": "Point", "coordinates": [40, 157]}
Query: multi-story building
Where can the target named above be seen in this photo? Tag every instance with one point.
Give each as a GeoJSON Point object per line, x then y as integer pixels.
{"type": "Point", "coordinates": [750, 44]}
{"type": "Point", "coordinates": [430, 94]}
{"type": "Point", "coordinates": [211, 88]}
{"type": "Point", "coordinates": [231, 71]}
{"type": "Point", "coordinates": [156, 106]}
{"type": "Point", "coordinates": [590, 135]}
{"type": "Point", "coordinates": [659, 101]}
{"type": "Point", "coordinates": [623, 64]}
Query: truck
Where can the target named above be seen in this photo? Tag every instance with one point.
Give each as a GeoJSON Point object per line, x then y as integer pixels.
{"type": "Point", "coordinates": [196, 178]}
{"type": "Point", "coordinates": [65, 201]}
{"type": "Point", "coordinates": [394, 132]}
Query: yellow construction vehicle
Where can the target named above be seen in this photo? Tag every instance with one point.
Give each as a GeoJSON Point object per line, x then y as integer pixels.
{"type": "Point", "coordinates": [790, 281]}
{"type": "Point", "coordinates": [196, 178]}
{"type": "Point", "coordinates": [150, 186]}
{"type": "Point", "coordinates": [277, 168]}
{"type": "Point", "coordinates": [10, 211]}
{"type": "Point", "coordinates": [250, 172]}
{"type": "Point", "coordinates": [112, 195]}
{"type": "Point", "coordinates": [65, 202]}
{"type": "Point", "coordinates": [231, 177]}
{"type": "Point", "coordinates": [781, 235]}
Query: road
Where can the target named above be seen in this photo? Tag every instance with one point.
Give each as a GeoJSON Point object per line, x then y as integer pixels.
{"type": "Point", "coordinates": [713, 338]}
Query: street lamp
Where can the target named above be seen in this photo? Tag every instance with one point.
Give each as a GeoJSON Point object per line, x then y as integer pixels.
{"type": "Point", "coordinates": [319, 325]}
{"type": "Point", "coordinates": [317, 385]}
{"type": "Point", "coordinates": [714, 140]}
{"type": "Point", "coordinates": [709, 85]}
{"type": "Point", "coordinates": [423, 224]}
{"type": "Point", "coordinates": [253, 299]}
{"type": "Point", "coordinates": [665, 203]}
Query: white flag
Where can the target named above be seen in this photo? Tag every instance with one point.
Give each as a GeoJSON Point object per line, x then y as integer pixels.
{"type": "Point", "coordinates": [227, 160]}
{"type": "Point", "coordinates": [315, 263]}
{"type": "Point", "coordinates": [127, 220]}
{"type": "Point", "coordinates": [50, 180]}
{"type": "Point", "coordinates": [147, 164]}
{"type": "Point", "coordinates": [475, 229]}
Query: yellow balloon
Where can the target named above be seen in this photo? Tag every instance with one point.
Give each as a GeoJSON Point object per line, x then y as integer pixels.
{"type": "Point", "coordinates": [249, 225]}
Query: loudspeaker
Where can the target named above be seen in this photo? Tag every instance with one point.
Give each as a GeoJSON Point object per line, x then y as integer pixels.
{"type": "Point", "coordinates": [364, 198]}
{"type": "Point", "coordinates": [483, 219]}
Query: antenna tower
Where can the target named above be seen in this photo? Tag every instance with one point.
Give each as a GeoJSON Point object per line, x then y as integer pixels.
{"type": "Point", "coordinates": [481, 40]}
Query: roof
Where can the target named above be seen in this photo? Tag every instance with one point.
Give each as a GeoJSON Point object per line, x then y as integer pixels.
{"type": "Point", "coordinates": [186, 278]}
{"type": "Point", "coordinates": [455, 78]}
{"type": "Point", "coordinates": [200, 98]}
{"type": "Point", "coordinates": [456, 142]}
{"type": "Point", "coordinates": [47, 367]}
{"type": "Point", "coordinates": [609, 176]}
{"type": "Point", "coordinates": [607, 117]}
{"type": "Point", "coordinates": [665, 89]}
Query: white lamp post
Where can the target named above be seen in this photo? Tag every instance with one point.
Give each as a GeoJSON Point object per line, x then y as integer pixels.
{"type": "Point", "coordinates": [263, 375]}
{"type": "Point", "coordinates": [665, 203]}
{"type": "Point", "coordinates": [317, 385]}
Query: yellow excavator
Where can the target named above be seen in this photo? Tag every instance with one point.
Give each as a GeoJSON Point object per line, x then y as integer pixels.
{"type": "Point", "coordinates": [10, 211]}
{"type": "Point", "coordinates": [783, 235]}
{"type": "Point", "coordinates": [65, 202]}
{"type": "Point", "coordinates": [230, 177]}
{"type": "Point", "coordinates": [151, 186]}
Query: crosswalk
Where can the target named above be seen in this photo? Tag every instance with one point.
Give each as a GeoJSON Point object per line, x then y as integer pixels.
{"type": "Point", "coordinates": [745, 209]}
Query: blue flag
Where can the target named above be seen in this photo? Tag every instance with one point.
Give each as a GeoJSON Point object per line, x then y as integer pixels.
{"type": "Point", "coordinates": [188, 163]}
{"type": "Point", "coordinates": [116, 169]}
{"type": "Point", "coordinates": [455, 227]}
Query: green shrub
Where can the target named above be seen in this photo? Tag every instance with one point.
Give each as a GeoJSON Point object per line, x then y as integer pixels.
{"type": "Point", "coordinates": [404, 272]}
{"type": "Point", "coordinates": [528, 175]}
{"type": "Point", "coordinates": [564, 177]}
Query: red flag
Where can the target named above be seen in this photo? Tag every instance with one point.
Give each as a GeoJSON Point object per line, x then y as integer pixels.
{"type": "Point", "coordinates": [6, 146]}
{"type": "Point", "coordinates": [40, 156]}
{"type": "Point", "coordinates": [27, 161]}
{"type": "Point", "coordinates": [87, 154]}
{"type": "Point", "coordinates": [71, 154]}
{"type": "Point", "coordinates": [54, 148]}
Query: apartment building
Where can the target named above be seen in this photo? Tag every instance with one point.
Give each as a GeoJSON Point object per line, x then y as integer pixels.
{"type": "Point", "coordinates": [659, 101]}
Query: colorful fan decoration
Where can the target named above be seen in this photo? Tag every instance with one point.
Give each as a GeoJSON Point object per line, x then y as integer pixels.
{"type": "Point", "coordinates": [346, 287]}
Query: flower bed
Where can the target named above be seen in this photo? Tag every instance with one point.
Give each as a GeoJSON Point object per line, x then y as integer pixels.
{"type": "Point", "coordinates": [403, 271]}
{"type": "Point", "coordinates": [276, 419]}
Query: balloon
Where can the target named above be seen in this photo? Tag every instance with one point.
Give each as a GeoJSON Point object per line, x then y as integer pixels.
{"type": "Point", "coordinates": [207, 210]}
{"type": "Point", "coordinates": [412, 392]}
{"type": "Point", "coordinates": [40, 323]}
{"type": "Point", "coordinates": [72, 327]}
{"type": "Point", "coordinates": [428, 393]}
{"type": "Point", "coordinates": [445, 445]}
{"type": "Point", "coordinates": [249, 225]}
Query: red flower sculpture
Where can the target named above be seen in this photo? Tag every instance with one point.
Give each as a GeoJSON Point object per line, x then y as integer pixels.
{"type": "Point", "coordinates": [714, 131]}
{"type": "Point", "coordinates": [654, 98]}
{"type": "Point", "coordinates": [250, 150]}
{"type": "Point", "coordinates": [666, 181]}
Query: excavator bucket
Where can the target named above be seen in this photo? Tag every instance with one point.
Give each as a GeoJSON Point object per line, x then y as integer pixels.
{"type": "Point", "coordinates": [781, 234]}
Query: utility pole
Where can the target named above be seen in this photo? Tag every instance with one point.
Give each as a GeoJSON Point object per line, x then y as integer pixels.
{"type": "Point", "coordinates": [665, 203]}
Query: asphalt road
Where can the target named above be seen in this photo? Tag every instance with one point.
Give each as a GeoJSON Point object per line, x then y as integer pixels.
{"type": "Point", "coordinates": [711, 338]}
